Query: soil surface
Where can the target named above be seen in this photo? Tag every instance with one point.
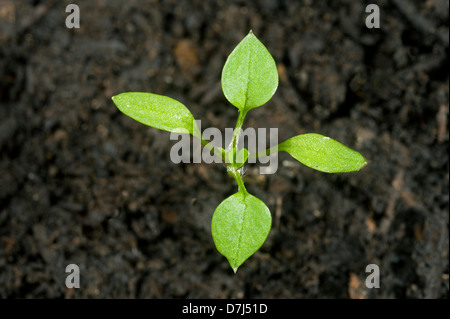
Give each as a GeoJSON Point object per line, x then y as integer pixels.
{"type": "Point", "coordinates": [81, 183]}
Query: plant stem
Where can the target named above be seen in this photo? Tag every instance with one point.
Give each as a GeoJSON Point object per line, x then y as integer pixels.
{"type": "Point", "coordinates": [237, 130]}
{"type": "Point", "coordinates": [236, 173]}
{"type": "Point", "coordinates": [237, 176]}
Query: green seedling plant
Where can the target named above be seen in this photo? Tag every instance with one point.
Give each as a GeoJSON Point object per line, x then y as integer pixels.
{"type": "Point", "coordinates": [241, 223]}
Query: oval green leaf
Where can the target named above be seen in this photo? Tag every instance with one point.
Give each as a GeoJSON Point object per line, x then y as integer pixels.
{"type": "Point", "coordinates": [240, 226]}
{"type": "Point", "coordinates": [323, 153]}
{"type": "Point", "coordinates": [157, 111]}
{"type": "Point", "coordinates": [249, 76]}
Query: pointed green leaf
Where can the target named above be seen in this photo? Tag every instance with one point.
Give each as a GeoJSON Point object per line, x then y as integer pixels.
{"type": "Point", "coordinates": [240, 226]}
{"type": "Point", "coordinates": [249, 76]}
{"type": "Point", "coordinates": [157, 111]}
{"type": "Point", "coordinates": [323, 153]}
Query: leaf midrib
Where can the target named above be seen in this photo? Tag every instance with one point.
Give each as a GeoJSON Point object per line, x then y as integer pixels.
{"type": "Point", "coordinates": [248, 76]}
{"type": "Point", "coordinates": [241, 228]}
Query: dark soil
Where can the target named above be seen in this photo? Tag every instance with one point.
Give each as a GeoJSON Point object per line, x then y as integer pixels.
{"type": "Point", "coordinates": [81, 183]}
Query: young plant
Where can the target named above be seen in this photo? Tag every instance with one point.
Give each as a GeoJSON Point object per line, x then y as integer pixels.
{"type": "Point", "coordinates": [241, 223]}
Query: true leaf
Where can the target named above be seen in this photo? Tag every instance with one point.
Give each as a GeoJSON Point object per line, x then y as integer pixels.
{"type": "Point", "coordinates": [240, 226]}
{"type": "Point", "coordinates": [323, 153]}
{"type": "Point", "coordinates": [249, 76]}
{"type": "Point", "coordinates": [157, 111]}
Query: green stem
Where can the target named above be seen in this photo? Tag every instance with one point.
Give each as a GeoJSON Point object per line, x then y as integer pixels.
{"type": "Point", "coordinates": [237, 130]}
{"type": "Point", "coordinates": [237, 176]}
{"type": "Point", "coordinates": [233, 144]}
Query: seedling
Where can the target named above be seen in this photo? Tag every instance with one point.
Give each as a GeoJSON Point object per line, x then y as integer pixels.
{"type": "Point", "coordinates": [241, 223]}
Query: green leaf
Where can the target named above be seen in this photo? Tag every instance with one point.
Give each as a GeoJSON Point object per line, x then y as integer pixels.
{"type": "Point", "coordinates": [323, 153]}
{"type": "Point", "coordinates": [249, 76]}
{"type": "Point", "coordinates": [157, 111]}
{"type": "Point", "coordinates": [240, 226]}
